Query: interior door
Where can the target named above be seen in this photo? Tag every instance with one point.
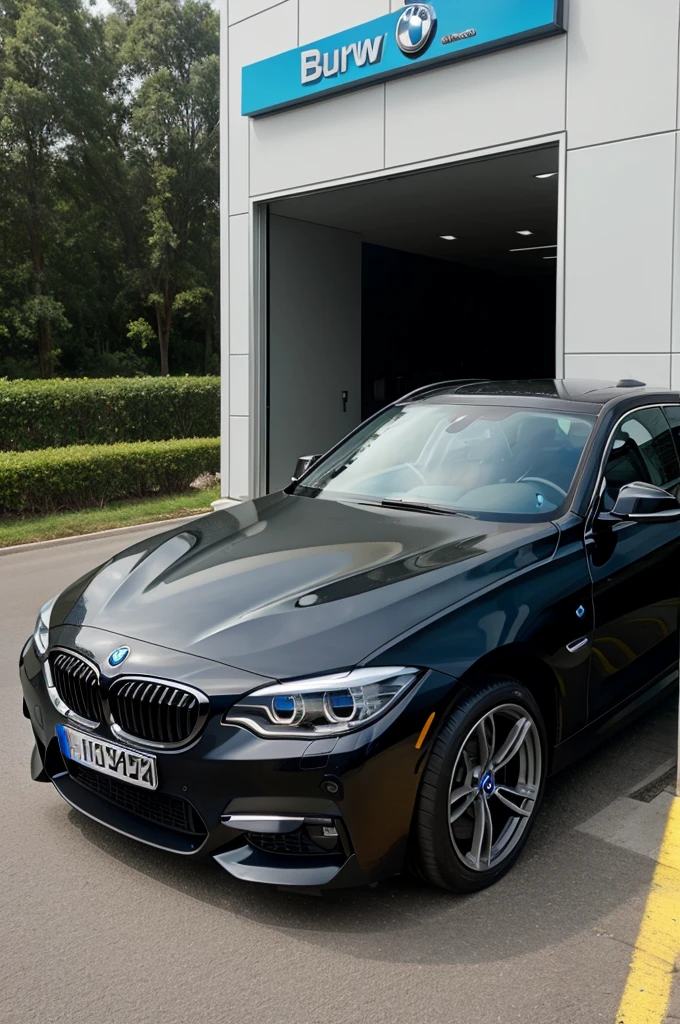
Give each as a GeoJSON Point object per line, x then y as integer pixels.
{"type": "Point", "coordinates": [635, 568]}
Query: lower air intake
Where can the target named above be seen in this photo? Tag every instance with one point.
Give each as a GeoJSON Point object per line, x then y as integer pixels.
{"type": "Point", "coordinates": [160, 808]}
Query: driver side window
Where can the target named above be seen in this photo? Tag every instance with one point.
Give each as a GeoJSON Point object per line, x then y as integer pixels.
{"type": "Point", "coordinates": [643, 451]}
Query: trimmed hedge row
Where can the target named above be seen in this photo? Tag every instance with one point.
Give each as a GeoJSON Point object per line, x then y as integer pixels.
{"type": "Point", "coordinates": [36, 414]}
{"type": "Point", "coordinates": [84, 476]}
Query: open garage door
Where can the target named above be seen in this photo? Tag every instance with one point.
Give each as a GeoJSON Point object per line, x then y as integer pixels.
{"type": "Point", "coordinates": [382, 287]}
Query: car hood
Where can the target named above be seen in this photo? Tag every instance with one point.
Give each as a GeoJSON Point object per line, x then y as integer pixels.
{"type": "Point", "coordinates": [289, 586]}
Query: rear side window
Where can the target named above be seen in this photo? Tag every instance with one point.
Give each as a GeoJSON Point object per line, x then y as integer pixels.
{"type": "Point", "coordinates": [643, 451]}
{"type": "Point", "coordinates": [673, 417]}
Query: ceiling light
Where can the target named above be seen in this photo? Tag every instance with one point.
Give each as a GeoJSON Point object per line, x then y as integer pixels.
{"type": "Point", "coordinates": [549, 174]}
{"type": "Point", "coordinates": [533, 248]}
{"type": "Point", "coordinates": [550, 257]}
{"type": "Point", "coordinates": [448, 238]}
{"type": "Point", "coordinates": [525, 232]}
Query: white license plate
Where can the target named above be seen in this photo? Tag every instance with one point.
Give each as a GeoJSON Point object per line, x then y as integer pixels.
{"type": "Point", "coordinates": [108, 758]}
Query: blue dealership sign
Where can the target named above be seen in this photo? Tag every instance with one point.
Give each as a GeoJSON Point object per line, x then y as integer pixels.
{"type": "Point", "coordinates": [414, 38]}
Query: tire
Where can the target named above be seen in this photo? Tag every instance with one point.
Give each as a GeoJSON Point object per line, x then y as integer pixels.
{"type": "Point", "coordinates": [473, 780]}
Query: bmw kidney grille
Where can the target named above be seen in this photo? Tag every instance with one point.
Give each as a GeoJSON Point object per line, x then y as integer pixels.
{"type": "Point", "coordinates": [77, 684]}
{"type": "Point", "coordinates": [156, 711]}
{"type": "Point", "coordinates": [149, 710]}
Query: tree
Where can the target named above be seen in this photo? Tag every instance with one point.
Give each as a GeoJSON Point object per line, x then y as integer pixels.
{"type": "Point", "coordinates": [54, 83]}
{"type": "Point", "coordinates": [172, 65]}
{"type": "Point", "coordinates": [109, 203]}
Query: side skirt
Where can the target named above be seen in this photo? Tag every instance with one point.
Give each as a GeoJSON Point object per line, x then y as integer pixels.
{"type": "Point", "coordinates": [608, 725]}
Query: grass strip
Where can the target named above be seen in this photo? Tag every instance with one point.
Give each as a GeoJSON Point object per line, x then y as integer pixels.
{"type": "Point", "coordinates": [15, 530]}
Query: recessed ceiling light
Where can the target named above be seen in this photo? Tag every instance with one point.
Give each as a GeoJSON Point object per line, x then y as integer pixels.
{"type": "Point", "coordinates": [533, 248]}
{"type": "Point", "coordinates": [549, 174]}
{"type": "Point", "coordinates": [525, 232]}
{"type": "Point", "coordinates": [448, 238]}
{"type": "Point", "coordinates": [550, 257]}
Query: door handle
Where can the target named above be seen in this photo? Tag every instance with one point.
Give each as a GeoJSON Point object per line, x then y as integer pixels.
{"type": "Point", "coordinates": [578, 645]}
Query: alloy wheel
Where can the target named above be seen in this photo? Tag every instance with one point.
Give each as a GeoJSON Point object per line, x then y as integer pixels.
{"type": "Point", "coordinates": [494, 787]}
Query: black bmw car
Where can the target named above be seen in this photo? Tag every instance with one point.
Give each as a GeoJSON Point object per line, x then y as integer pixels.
{"type": "Point", "coordinates": [380, 665]}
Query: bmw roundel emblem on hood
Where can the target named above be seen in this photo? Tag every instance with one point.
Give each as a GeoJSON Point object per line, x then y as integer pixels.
{"type": "Point", "coordinates": [118, 656]}
{"type": "Point", "coordinates": [415, 29]}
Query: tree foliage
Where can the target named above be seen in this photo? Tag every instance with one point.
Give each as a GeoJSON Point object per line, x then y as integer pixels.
{"type": "Point", "coordinates": [108, 187]}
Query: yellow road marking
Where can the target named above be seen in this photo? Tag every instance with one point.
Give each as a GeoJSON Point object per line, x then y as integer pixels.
{"type": "Point", "coordinates": [424, 732]}
{"type": "Point", "coordinates": [657, 949]}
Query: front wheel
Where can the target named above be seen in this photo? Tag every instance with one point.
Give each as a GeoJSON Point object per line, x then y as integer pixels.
{"type": "Point", "coordinates": [482, 788]}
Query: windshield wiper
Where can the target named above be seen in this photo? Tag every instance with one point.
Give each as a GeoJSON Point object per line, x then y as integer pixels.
{"type": "Point", "coordinates": [423, 506]}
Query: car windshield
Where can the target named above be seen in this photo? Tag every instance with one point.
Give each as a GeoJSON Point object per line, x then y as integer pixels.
{"type": "Point", "coordinates": [496, 460]}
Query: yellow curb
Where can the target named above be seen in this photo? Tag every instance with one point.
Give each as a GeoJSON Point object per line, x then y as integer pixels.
{"type": "Point", "coordinates": [657, 949]}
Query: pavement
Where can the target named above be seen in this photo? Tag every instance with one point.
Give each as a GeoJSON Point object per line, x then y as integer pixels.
{"type": "Point", "coordinates": [94, 927]}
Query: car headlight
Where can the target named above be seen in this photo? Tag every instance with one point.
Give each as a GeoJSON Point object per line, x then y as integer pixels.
{"type": "Point", "coordinates": [41, 633]}
{"type": "Point", "coordinates": [327, 706]}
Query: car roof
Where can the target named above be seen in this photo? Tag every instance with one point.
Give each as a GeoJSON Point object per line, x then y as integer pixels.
{"type": "Point", "coordinates": [584, 395]}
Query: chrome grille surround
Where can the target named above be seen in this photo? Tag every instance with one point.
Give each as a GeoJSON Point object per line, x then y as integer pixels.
{"type": "Point", "coordinates": [156, 713]}
{"type": "Point", "coordinates": [73, 687]}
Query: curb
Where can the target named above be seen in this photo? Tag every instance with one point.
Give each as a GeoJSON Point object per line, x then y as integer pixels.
{"type": "Point", "coordinates": [16, 549]}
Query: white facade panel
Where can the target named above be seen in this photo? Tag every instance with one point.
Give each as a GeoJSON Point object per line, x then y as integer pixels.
{"type": "Point", "coordinates": [335, 138]}
{"type": "Point", "coordinates": [225, 288]}
{"type": "Point", "coordinates": [239, 10]}
{"type": "Point", "coordinates": [239, 284]}
{"type": "Point", "coordinates": [619, 245]}
{"type": "Point", "coordinates": [239, 386]}
{"type": "Point", "coordinates": [257, 38]}
{"type": "Point", "coordinates": [675, 325]}
{"type": "Point", "coordinates": [487, 101]}
{"type": "Point", "coordinates": [239, 457]}
{"type": "Point", "coordinates": [622, 69]}
{"type": "Point", "coordinates": [320, 18]}
{"type": "Point", "coordinates": [651, 369]}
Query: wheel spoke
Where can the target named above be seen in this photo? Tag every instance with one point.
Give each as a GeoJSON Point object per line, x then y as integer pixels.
{"type": "Point", "coordinates": [492, 742]}
{"type": "Point", "coordinates": [482, 839]}
{"type": "Point", "coordinates": [463, 797]}
{"type": "Point", "coordinates": [523, 793]}
{"type": "Point", "coordinates": [485, 749]}
{"type": "Point", "coordinates": [513, 744]}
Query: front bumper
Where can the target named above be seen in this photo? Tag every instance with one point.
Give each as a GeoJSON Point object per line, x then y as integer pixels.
{"type": "Point", "coordinates": [210, 795]}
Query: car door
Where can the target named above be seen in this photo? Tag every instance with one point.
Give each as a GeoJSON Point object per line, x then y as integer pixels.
{"type": "Point", "coordinates": [635, 567]}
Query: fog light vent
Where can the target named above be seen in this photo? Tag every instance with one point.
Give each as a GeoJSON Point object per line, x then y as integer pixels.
{"type": "Point", "coordinates": [304, 842]}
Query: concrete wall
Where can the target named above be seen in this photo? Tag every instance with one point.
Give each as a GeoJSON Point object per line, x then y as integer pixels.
{"type": "Point", "coordinates": [314, 341]}
{"type": "Point", "coordinates": [611, 85]}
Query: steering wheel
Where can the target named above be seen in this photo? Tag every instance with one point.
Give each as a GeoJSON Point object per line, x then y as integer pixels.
{"type": "Point", "coordinates": [544, 483]}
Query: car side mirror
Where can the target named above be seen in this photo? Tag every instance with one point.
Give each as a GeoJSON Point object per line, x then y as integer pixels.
{"type": "Point", "coordinates": [304, 463]}
{"type": "Point", "coordinates": [644, 503]}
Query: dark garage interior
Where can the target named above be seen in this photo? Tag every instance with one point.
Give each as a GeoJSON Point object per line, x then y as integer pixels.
{"type": "Point", "coordinates": [468, 322]}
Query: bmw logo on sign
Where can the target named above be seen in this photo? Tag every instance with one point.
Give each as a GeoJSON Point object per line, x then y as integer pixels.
{"type": "Point", "coordinates": [416, 26]}
{"type": "Point", "coordinates": [118, 656]}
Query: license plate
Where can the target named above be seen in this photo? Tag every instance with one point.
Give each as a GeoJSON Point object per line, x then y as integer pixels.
{"type": "Point", "coordinates": [108, 758]}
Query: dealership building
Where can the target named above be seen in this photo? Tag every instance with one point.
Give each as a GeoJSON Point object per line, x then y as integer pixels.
{"type": "Point", "coordinates": [459, 189]}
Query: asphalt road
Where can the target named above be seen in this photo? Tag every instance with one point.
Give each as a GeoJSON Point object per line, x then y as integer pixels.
{"type": "Point", "coordinates": [94, 927]}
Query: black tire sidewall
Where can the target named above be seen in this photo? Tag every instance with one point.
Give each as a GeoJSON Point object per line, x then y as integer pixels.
{"type": "Point", "coordinates": [438, 859]}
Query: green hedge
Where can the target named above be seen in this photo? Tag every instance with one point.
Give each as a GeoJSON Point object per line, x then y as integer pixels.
{"type": "Point", "coordinates": [36, 414]}
{"type": "Point", "coordinates": [84, 476]}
